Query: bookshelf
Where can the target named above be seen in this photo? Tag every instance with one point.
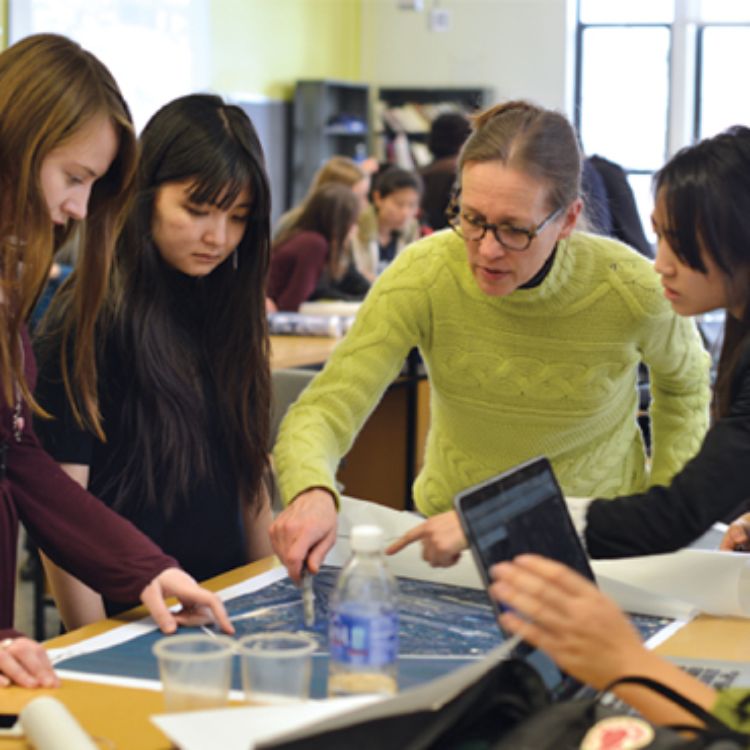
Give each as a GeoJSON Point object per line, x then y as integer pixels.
{"type": "Point", "coordinates": [329, 118]}
{"type": "Point", "coordinates": [403, 117]}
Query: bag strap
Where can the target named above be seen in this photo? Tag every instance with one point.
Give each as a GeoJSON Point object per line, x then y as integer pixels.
{"type": "Point", "coordinates": [712, 723]}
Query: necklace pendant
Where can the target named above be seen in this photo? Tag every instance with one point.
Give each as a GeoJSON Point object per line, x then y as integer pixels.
{"type": "Point", "coordinates": [18, 424]}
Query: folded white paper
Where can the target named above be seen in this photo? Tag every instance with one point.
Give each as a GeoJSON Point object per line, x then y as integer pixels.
{"type": "Point", "coordinates": [717, 583]}
{"type": "Point", "coordinates": [243, 728]}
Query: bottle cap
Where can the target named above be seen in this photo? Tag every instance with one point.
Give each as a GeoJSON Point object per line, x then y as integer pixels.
{"type": "Point", "coordinates": [367, 538]}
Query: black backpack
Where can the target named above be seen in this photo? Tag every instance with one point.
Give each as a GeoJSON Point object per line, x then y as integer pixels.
{"type": "Point", "coordinates": [584, 724]}
{"type": "Point", "coordinates": [509, 708]}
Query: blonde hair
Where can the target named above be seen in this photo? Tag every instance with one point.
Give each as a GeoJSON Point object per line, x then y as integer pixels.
{"type": "Point", "coordinates": [50, 88]}
{"type": "Point", "coordinates": [534, 140]}
{"type": "Point", "coordinates": [338, 170]}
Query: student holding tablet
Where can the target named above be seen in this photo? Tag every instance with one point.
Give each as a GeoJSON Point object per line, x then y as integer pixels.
{"type": "Point", "coordinates": [557, 610]}
{"type": "Point", "coordinates": [531, 333]}
{"type": "Point", "coordinates": [67, 153]}
{"type": "Point", "coordinates": [183, 373]}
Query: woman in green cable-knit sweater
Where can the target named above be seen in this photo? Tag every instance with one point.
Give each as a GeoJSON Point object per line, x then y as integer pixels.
{"type": "Point", "coordinates": [531, 333]}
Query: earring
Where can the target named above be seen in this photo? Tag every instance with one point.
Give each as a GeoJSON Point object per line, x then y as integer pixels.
{"type": "Point", "coordinates": [235, 259]}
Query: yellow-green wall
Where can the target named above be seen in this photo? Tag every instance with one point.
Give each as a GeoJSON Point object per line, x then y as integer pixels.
{"type": "Point", "coordinates": [262, 47]}
{"type": "Point", "coordinates": [3, 23]}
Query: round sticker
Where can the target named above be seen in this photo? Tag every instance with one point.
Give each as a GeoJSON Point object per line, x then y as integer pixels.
{"type": "Point", "coordinates": [618, 733]}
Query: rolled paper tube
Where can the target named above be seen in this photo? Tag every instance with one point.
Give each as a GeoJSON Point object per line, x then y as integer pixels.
{"type": "Point", "coordinates": [48, 725]}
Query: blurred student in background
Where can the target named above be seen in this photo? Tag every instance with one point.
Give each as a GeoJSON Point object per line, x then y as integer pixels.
{"type": "Point", "coordinates": [314, 261]}
{"type": "Point", "coordinates": [390, 223]}
{"type": "Point", "coordinates": [338, 170]}
{"type": "Point", "coordinates": [448, 133]}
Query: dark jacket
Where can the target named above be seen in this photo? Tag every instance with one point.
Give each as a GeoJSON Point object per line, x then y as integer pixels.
{"type": "Point", "coordinates": [713, 486]}
{"type": "Point", "coordinates": [626, 222]}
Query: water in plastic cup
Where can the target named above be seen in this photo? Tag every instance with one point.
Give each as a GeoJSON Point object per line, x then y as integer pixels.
{"type": "Point", "coordinates": [195, 670]}
{"type": "Point", "coordinates": [276, 667]}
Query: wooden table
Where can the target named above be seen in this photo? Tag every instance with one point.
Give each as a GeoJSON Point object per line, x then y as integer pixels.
{"type": "Point", "coordinates": [116, 713]}
{"type": "Point", "coordinates": [121, 714]}
{"type": "Point", "coordinates": [300, 351]}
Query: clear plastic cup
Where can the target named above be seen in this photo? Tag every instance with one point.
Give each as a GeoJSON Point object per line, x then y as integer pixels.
{"type": "Point", "coordinates": [195, 670]}
{"type": "Point", "coordinates": [276, 667]}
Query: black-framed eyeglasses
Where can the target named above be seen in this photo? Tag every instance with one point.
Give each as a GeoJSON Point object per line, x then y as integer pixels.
{"type": "Point", "coordinates": [509, 236]}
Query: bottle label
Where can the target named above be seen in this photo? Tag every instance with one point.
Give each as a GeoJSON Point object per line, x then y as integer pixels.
{"type": "Point", "coordinates": [366, 641]}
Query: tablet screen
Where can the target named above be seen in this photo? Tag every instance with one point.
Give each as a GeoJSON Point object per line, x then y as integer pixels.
{"type": "Point", "coordinates": [522, 510]}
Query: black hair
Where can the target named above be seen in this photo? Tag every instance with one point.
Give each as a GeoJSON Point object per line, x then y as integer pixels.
{"type": "Point", "coordinates": [392, 179]}
{"type": "Point", "coordinates": [448, 133]}
{"type": "Point", "coordinates": [705, 192]}
{"type": "Point", "coordinates": [187, 337]}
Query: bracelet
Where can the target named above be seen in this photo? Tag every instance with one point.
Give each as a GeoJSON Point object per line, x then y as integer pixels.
{"type": "Point", "coordinates": [5, 643]}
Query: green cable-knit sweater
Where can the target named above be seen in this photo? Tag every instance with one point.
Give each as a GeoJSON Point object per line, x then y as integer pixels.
{"type": "Point", "coordinates": [733, 707]}
{"type": "Point", "coordinates": [550, 370]}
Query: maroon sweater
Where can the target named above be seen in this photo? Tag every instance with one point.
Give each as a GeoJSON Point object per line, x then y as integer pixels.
{"type": "Point", "coordinates": [72, 527]}
{"type": "Point", "coordinates": [296, 267]}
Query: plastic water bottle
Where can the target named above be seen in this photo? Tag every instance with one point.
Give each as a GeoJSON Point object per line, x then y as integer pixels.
{"type": "Point", "coordinates": [363, 624]}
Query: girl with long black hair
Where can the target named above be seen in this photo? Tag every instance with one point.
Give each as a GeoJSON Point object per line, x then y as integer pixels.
{"type": "Point", "coordinates": [183, 353]}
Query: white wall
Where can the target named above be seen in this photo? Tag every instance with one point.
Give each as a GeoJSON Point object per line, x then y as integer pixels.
{"type": "Point", "coordinates": [520, 48]}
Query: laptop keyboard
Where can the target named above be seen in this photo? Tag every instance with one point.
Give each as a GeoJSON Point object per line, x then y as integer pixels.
{"type": "Point", "coordinates": [716, 677]}
{"type": "Point", "coordinates": [713, 676]}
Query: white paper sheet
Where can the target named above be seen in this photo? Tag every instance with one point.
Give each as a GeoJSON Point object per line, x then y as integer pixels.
{"type": "Point", "coordinates": [710, 581]}
{"type": "Point", "coordinates": [242, 728]}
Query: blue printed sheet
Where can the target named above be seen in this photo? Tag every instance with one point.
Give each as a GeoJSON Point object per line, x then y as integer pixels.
{"type": "Point", "coordinates": [442, 627]}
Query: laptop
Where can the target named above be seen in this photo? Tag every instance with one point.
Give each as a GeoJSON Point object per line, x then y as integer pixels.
{"type": "Point", "coordinates": [524, 510]}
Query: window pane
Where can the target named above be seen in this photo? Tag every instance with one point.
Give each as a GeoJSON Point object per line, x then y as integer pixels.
{"type": "Point", "coordinates": [726, 51]}
{"type": "Point", "coordinates": [150, 47]}
{"type": "Point", "coordinates": [644, 201]}
{"type": "Point", "coordinates": [632, 11]}
{"type": "Point", "coordinates": [625, 94]}
{"type": "Point", "coordinates": [730, 11]}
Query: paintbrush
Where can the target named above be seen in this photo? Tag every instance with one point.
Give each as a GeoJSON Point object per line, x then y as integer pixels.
{"type": "Point", "coordinates": [308, 597]}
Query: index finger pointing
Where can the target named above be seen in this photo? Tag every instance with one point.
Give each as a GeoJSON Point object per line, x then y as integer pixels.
{"type": "Point", "coordinates": [412, 535]}
{"type": "Point", "coordinates": [220, 614]}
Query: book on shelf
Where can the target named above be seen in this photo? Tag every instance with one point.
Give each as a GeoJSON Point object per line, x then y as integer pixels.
{"type": "Point", "coordinates": [421, 154]}
{"type": "Point", "coordinates": [412, 118]}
